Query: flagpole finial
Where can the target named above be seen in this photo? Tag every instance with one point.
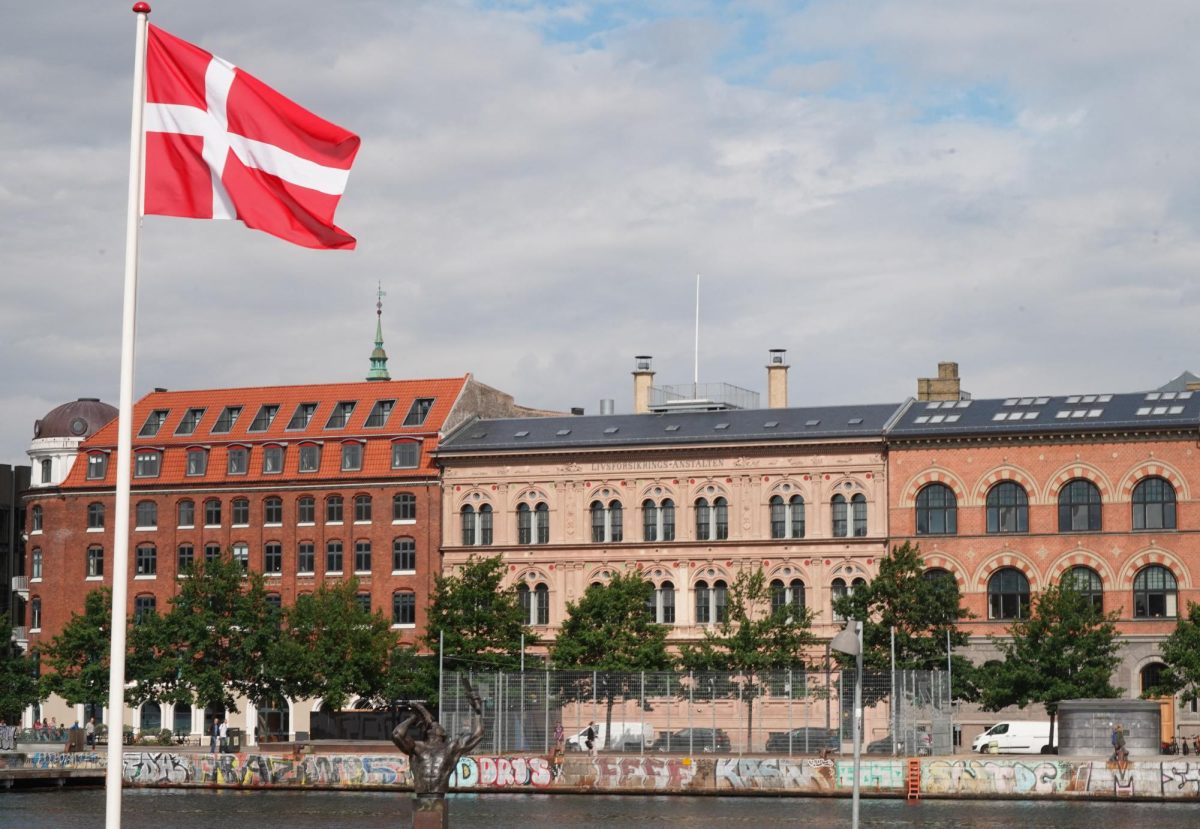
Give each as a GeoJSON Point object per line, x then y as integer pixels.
{"type": "Point", "coordinates": [141, 8]}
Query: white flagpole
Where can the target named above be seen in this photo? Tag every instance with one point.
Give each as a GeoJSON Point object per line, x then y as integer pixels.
{"type": "Point", "coordinates": [120, 581]}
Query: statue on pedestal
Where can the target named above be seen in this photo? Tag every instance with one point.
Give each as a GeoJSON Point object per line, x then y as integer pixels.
{"type": "Point", "coordinates": [434, 758]}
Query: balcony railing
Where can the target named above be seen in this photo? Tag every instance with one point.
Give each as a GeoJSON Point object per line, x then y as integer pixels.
{"type": "Point", "coordinates": [20, 584]}
{"type": "Point", "coordinates": [20, 635]}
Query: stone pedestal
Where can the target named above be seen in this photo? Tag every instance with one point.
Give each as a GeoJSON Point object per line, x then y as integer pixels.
{"type": "Point", "coordinates": [430, 812]}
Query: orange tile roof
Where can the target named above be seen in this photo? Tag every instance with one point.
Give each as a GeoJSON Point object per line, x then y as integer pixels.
{"type": "Point", "coordinates": [377, 440]}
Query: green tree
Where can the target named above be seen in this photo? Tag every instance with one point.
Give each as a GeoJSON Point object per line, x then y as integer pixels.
{"type": "Point", "coordinates": [609, 630]}
{"type": "Point", "coordinates": [1066, 649]}
{"type": "Point", "coordinates": [332, 648]}
{"type": "Point", "coordinates": [751, 639]}
{"type": "Point", "coordinates": [482, 623]}
{"type": "Point", "coordinates": [219, 641]}
{"type": "Point", "coordinates": [1181, 653]}
{"type": "Point", "coordinates": [923, 610]}
{"type": "Point", "coordinates": [78, 657]}
{"type": "Point", "coordinates": [410, 676]}
{"type": "Point", "coordinates": [18, 677]}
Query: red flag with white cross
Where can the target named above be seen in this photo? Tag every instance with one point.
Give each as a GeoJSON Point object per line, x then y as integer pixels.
{"type": "Point", "coordinates": [220, 144]}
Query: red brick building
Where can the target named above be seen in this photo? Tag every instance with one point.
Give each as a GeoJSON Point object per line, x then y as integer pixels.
{"type": "Point", "coordinates": [306, 484]}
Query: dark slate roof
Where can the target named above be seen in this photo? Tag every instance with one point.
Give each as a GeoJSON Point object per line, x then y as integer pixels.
{"type": "Point", "coordinates": [1180, 383]}
{"type": "Point", "coordinates": [573, 432]}
{"type": "Point", "coordinates": [1050, 414]}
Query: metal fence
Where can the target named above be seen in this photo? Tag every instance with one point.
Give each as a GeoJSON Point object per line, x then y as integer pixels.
{"type": "Point", "coordinates": [785, 712]}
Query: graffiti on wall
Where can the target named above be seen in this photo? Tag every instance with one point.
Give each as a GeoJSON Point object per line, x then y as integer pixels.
{"type": "Point", "coordinates": [64, 760]}
{"type": "Point", "coordinates": [874, 775]}
{"type": "Point", "coordinates": [1002, 777]}
{"type": "Point", "coordinates": [1181, 777]}
{"type": "Point", "coordinates": [502, 772]}
{"type": "Point", "coordinates": [149, 768]}
{"type": "Point", "coordinates": [775, 774]}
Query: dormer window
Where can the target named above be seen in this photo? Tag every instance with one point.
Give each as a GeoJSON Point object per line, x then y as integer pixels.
{"type": "Point", "coordinates": [272, 460]}
{"type": "Point", "coordinates": [265, 417]}
{"type": "Point", "coordinates": [418, 411]}
{"type": "Point", "coordinates": [153, 423]}
{"type": "Point", "coordinates": [97, 466]}
{"type": "Point", "coordinates": [302, 416]}
{"type": "Point", "coordinates": [190, 421]}
{"type": "Point", "coordinates": [197, 461]}
{"type": "Point", "coordinates": [147, 463]}
{"type": "Point", "coordinates": [380, 413]}
{"type": "Point", "coordinates": [406, 454]}
{"type": "Point", "coordinates": [239, 460]}
{"type": "Point", "coordinates": [341, 415]}
{"type": "Point", "coordinates": [351, 457]}
{"type": "Point", "coordinates": [229, 416]}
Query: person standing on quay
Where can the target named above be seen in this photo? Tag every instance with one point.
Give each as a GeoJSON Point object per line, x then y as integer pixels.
{"type": "Point", "coordinates": [224, 733]}
{"type": "Point", "coordinates": [589, 738]}
{"type": "Point", "coordinates": [216, 733]}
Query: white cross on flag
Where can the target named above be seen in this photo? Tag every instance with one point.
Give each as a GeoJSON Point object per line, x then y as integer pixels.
{"type": "Point", "coordinates": [220, 144]}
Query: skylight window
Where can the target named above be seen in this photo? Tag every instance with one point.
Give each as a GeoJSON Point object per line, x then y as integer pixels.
{"type": "Point", "coordinates": [1012, 401]}
{"type": "Point", "coordinates": [341, 415]}
{"type": "Point", "coordinates": [302, 416]}
{"type": "Point", "coordinates": [1184, 395]}
{"type": "Point", "coordinates": [562, 433]}
{"type": "Point", "coordinates": [1041, 401]}
{"type": "Point", "coordinates": [922, 419]}
{"type": "Point", "coordinates": [418, 411]}
{"type": "Point", "coordinates": [854, 421]}
{"type": "Point", "coordinates": [721, 426]}
{"type": "Point", "coordinates": [380, 413]}
{"type": "Point", "coordinates": [1153, 395]}
{"type": "Point", "coordinates": [770, 424]}
{"type": "Point", "coordinates": [478, 435]}
{"type": "Point", "coordinates": [225, 422]}
{"type": "Point", "coordinates": [153, 423]}
{"type": "Point", "coordinates": [812, 423]}
{"type": "Point", "coordinates": [524, 433]}
{"type": "Point", "coordinates": [265, 417]}
{"type": "Point", "coordinates": [190, 421]}
{"type": "Point", "coordinates": [1175, 410]}
{"type": "Point", "coordinates": [952, 418]}
{"type": "Point", "coordinates": [612, 430]}
{"type": "Point", "coordinates": [674, 427]}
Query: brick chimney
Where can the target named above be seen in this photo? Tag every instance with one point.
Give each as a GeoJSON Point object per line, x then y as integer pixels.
{"type": "Point", "coordinates": [945, 386]}
{"type": "Point", "coordinates": [643, 377]}
{"type": "Point", "coordinates": [777, 369]}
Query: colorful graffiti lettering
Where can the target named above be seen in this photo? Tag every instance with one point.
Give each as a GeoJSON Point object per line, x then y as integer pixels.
{"type": "Point", "coordinates": [772, 774]}
{"type": "Point", "coordinates": [502, 772]}
{"type": "Point", "coordinates": [651, 773]}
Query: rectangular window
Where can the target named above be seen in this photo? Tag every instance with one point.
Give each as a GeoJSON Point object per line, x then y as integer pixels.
{"type": "Point", "coordinates": [310, 458]}
{"type": "Point", "coordinates": [351, 457]}
{"type": "Point", "coordinates": [273, 511]}
{"type": "Point", "coordinates": [197, 461]}
{"type": "Point", "coordinates": [306, 510]}
{"type": "Point", "coordinates": [95, 563]}
{"type": "Point", "coordinates": [147, 464]}
{"type": "Point", "coordinates": [404, 608]}
{"type": "Point", "coordinates": [340, 416]}
{"type": "Point", "coordinates": [333, 557]}
{"type": "Point", "coordinates": [380, 413]}
{"type": "Point", "coordinates": [95, 516]}
{"type": "Point", "coordinates": [241, 554]}
{"type": "Point", "coordinates": [212, 513]}
{"type": "Point", "coordinates": [224, 424]}
{"type": "Point", "coordinates": [406, 454]}
{"type": "Point", "coordinates": [153, 423]}
{"type": "Point", "coordinates": [302, 416]}
{"type": "Point", "coordinates": [240, 510]}
{"type": "Point", "coordinates": [333, 509]}
{"type": "Point", "coordinates": [273, 558]}
{"type": "Point", "coordinates": [143, 608]}
{"type": "Point", "coordinates": [364, 601]}
{"type": "Point", "coordinates": [146, 515]}
{"type": "Point", "coordinates": [272, 460]}
{"type": "Point", "coordinates": [404, 507]}
{"type": "Point", "coordinates": [362, 556]}
{"type": "Point", "coordinates": [306, 557]}
{"type": "Point", "coordinates": [185, 558]}
{"type": "Point", "coordinates": [186, 513]}
{"type": "Point", "coordinates": [265, 417]}
{"type": "Point", "coordinates": [362, 508]}
{"type": "Point", "coordinates": [239, 460]}
{"type": "Point", "coordinates": [97, 467]}
{"type": "Point", "coordinates": [404, 555]}
{"type": "Point", "coordinates": [418, 411]}
{"type": "Point", "coordinates": [212, 552]}
{"type": "Point", "coordinates": [147, 560]}
{"type": "Point", "coordinates": [190, 422]}
{"type": "Point", "coordinates": [35, 559]}
{"type": "Point", "coordinates": [47, 471]}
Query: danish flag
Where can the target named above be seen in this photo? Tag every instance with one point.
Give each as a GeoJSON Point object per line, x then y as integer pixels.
{"type": "Point", "coordinates": [220, 144]}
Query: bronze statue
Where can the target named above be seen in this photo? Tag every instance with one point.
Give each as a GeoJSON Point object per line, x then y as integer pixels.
{"type": "Point", "coordinates": [434, 758]}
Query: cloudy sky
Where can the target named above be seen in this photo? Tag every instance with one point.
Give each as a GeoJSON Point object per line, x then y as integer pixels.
{"type": "Point", "coordinates": [874, 185]}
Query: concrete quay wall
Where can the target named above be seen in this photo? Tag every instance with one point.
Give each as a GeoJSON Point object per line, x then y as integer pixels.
{"type": "Point", "coordinates": [1167, 778]}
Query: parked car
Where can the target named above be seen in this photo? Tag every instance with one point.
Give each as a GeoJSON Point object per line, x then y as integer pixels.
{"type": "Point", "coordinates": [922, 742]}
{"type": "Point", "coordinates": [626, 736]}
{"type": "Point", "coordinates": [1015, 737]}
{"type": "Point", "coordinates": [693, 739]}
{"type": "Point", "coordinates": [803, 740]}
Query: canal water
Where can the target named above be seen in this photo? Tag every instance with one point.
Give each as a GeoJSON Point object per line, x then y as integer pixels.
{"type": "Point", "coordinates": [193, 809]}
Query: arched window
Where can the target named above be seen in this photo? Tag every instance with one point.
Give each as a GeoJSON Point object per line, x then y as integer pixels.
{"type": "Point", "coordinates": [404, 555]}
{"type": "Point", "coordinates": [607, 521]}
{"type": "Point", "coordinates": [663, 610]}
{"type": "Point", "coordinates": [1079, 507]}
{"type": "Point", "coordinates": [541, 523]}
{"type": "Point", "coordinates": [182, 723]}
{"type": "Point", "coordinates": [649, 520]}
{"type": "Point", "coordinates": [787, 517]}
{"type": "Point", "coordinates": [477, 526]}
{"type": "Point", "coordinates": [273, 511]}
{"type": "Point", "coordinates": [839, 589]}
{"type": "Point", "coordinates": [858, 507]}
{"type": "Point", "coordinates": [524, 524]}
{"type": "Point", "coordinates": [838, 506]}
{"type": "Point", "coordinates": [1154, 593]}
{"type": "Point", "coordinates": [404, 608]}
{"type": "Point", "coordinates": [1008, 594]}
{"type": "Point", "coordinates": [937, 511]}
{"type": "Point", "coordinates": [786, 596]}
{"type": "Point", "coordinates": [35, 518]}
{"type": "Point", "coordinates": [1154, 505]}
{"type": "Point", "coordinates": [712, 521]}
{"type": "Point", "coordinates": [703, 603]}
{"type": "Point", "coordinates": [535, 603]}
{"type": "Point", "coordinates": [362, 508]}
{"type": "Point", "coordinates": [1151, 676]}
{"type": "Point", "coordinates": [404, 507]}
{"type": "Point", "coordinates": [335, 509]}
{"type": "Point", "coordinates": [239, 511]}
{"type": "Point", "coordinates": [95, 516]}
{"type": "Point", "coordinates": [146, 515]}
{"type": "Point", "coordinates": [658, 520]}
{"type": "Point", "coordinates": [935, 573]}
{"type": "Point", "coordinates": [1007, 508]}
{"type": "Point", "coordinates": [720, 601]}
{"type": "Point", "coordinates": [1086, 582]}
{"type": "Point", "coordinates": [212, 513]}
{"type": "Point", "coordinates": [151, 717]}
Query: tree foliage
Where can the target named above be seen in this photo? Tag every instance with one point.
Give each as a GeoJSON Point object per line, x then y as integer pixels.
{"type": "Point", "coordinates": [410, 676]}
{"type": "Point", "coordinates": [1181, 653]}
{"type": "Point", "coordinates": [751, 639]}
{"type": "Point", "coordinates": [922, 610]}
{"type": "Point", "coordinates": [332, 648]}
{"type": "Point", "coordinates": [217, 642]}
{"type": "Point", "coordinates": [18, 677]}
{"type": "Point", "coordinates": [482, 622]}
{"type": "Point", "coordinates": [610, 631]}
{"type": "Point", "coordinates": [78, 657]}
{"type": "Point", "coordinates": [1066, 649]}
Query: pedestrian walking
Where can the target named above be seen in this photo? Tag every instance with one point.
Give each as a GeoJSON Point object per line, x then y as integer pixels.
{"type": "Point", "coordinates": [589, 738]}
{"type": "Point", "coordinates": [214, 735]}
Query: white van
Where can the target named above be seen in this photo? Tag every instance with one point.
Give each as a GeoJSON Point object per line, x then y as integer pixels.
{"type": "Point", "coordinates": [1014, 737]}
{"type": "Point", "coordinates": [627, 736]}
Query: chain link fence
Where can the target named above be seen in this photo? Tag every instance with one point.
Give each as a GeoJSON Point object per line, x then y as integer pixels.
{"type": "Point", "coordinates": [783, 712]}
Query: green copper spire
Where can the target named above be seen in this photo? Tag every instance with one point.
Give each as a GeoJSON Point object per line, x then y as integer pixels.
{"type": "Point", "coordinates": [379, 356]}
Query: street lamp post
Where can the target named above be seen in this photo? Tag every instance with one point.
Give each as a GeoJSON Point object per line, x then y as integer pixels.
{"type": "Point", "coordinates": [850, 642]}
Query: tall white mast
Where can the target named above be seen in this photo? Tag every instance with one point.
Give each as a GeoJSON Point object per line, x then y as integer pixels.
{"type": "Point", "coordinates": [696, 357]}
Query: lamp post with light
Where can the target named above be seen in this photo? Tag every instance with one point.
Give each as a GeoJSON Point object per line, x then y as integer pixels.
{"type": "Point", "coordinates": [850, 642]}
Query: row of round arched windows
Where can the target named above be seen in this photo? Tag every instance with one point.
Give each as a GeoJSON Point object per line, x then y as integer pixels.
{"type": "Point", "coordinates": [1154, 592]}
{"type": "Point", "coordinates": [1079, 508]}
